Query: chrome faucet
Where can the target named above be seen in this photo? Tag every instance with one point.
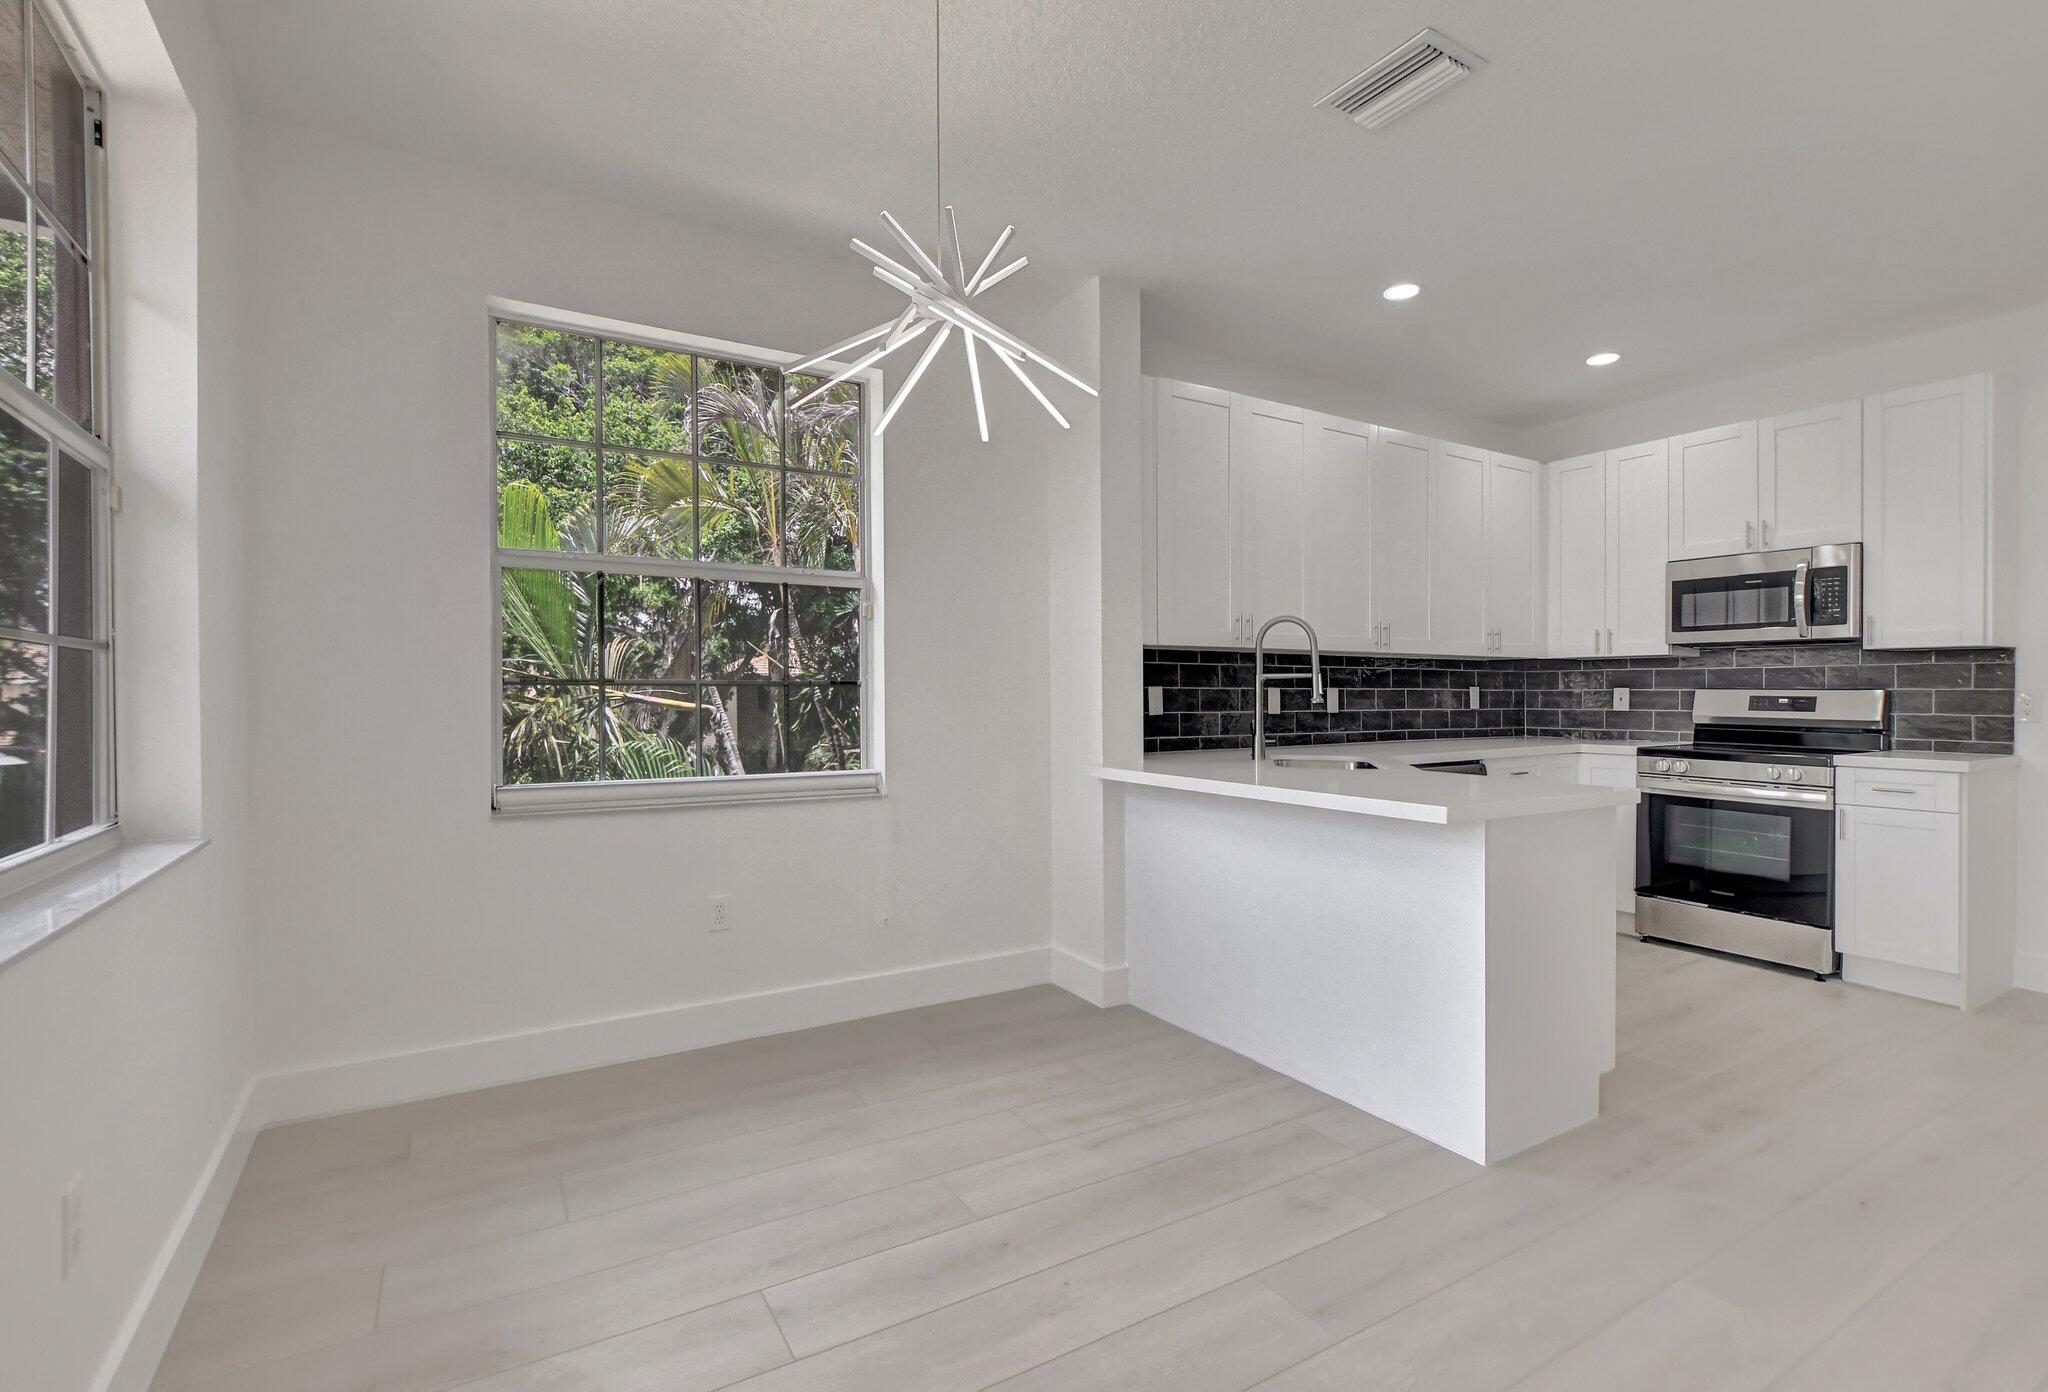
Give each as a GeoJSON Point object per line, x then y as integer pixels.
{"type": "Point", "coordinates": [1260, 676]}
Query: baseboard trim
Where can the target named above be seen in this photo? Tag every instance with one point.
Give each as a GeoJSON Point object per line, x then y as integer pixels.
{"type": "Point", "coordinates": [2030, 970]}
{"type": "Point", "coordinates": [1091, 981]}
{"type": "Point", "coordinates": [434, 1072]}
{"type": "Point", "coordinates": [139, 1346]}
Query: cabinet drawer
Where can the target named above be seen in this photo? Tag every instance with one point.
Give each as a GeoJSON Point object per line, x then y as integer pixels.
{"type": "Point", "coordinates": [1563, 766]}
{"type": "Point", "coordinates": [1927, 792]}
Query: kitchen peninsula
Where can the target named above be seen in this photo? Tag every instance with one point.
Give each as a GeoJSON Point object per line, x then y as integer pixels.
{"type": "Point", "coordinates": [1435, 949]}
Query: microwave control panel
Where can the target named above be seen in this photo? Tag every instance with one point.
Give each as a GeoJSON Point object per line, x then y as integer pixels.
{"type": "Point", "coordinates": [1828, 596]}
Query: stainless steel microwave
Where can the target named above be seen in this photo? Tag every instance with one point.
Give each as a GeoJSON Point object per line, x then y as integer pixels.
{"type": "Point", "coordinates": [1811, 595]}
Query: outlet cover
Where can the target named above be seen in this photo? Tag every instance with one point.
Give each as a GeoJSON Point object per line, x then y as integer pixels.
{"type": "Point", "coordinates": [1332, 699]}
{"type": "Point", "coordinates": [1472, 696]}
{"type": "Point", "coordinates": [1621, 698]}
{"type": "Point", "coordinates": [721, 913]}
{"type": "Point", "coordinates": [1155, 700]}
{"type": "Point", "coordinates": [2026, 709]}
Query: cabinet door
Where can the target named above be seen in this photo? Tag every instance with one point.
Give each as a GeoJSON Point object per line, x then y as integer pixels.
{"type": "Point", "coordinates": [1810, 477]}
{"type": "Point", "coordinates": [1457, 549]}
{"type": "Point", "coordinates": [1577, 543]}
{"type": "Point", "coordinates": [1340, 533]}
{"type": "Point", "coordinates": [1926, 467]}
{"type": "Point", "coordinates": [1638, 503]}
{"type": "Point", "coordinates": [1602, 771]}
{"type": "Point", "coordinates": [1268, 457]}
{"type": "Point", "coordinates": [1899, 886]}
{"type": "Point", "coordinates": [1514, 573]}
{"type": "Point", "coordinates": [1713, 492]}
{"type": "Point", "coordinates": [1400, 540]}
{"type": "Point", "coordinates": [1196, 518]}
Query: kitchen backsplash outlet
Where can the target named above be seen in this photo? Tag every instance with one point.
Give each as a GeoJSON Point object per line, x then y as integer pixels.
{"type": "Point", "coordinates": [1958, 700]}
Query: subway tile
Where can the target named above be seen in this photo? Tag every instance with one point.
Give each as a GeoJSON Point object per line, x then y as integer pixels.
{"type": "Point", "coordinates": [1792, 678]}
{"type": "Point", "coordinates": [1973, 702]}
{"type": "Point", "coordinates": [1933, 727]}
{"type": "Point", "coordinates": [1993, 729]}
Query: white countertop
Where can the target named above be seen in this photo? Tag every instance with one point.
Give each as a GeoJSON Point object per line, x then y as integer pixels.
{"type": "Point", "coordinates": [1395, 789]}
{"type": "Point", "coordinates": [1925, 762]}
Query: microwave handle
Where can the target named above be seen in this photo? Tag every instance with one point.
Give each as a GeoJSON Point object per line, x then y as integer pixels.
{"type": "Point", "coordinates": [1799, 576]}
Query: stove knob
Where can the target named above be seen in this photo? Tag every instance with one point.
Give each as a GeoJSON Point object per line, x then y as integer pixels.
{"type": "Point", "coordinates": [1661, 766]}
{"type": "Point", "coordinates": [1774, 773]}
{"type": "Point", "coordinates": [1796, 775]}
{"type": "Point", "coordinates": [1682, 766]}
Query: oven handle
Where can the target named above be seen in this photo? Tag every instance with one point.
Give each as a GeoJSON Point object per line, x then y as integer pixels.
{"type": "Point", "coordinates": [1799, 599]}
{"type": "Point", "coordinates": [1722, 792]}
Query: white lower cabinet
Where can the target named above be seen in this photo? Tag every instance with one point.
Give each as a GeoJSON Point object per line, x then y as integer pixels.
{"type": "Point", "coordinates": [1617, 771]}
{"type": "Point", "coordinates": [1901, 887]}
{"type": "Point", "coordinates": [1923, 881]}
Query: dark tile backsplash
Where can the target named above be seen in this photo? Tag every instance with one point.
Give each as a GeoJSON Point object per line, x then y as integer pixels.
{"type": "Point", "coordinates": [1957, 699]}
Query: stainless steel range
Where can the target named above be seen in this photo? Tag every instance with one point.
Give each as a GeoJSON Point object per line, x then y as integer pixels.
{"type": "Point", "coordinates": [1735, 837]}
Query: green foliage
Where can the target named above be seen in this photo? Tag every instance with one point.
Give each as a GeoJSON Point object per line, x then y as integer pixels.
{"type": "Point", "coordinates": [664, 704]}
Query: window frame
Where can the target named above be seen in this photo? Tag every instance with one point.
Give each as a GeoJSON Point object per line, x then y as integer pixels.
{"type": "Point", "coordinates": [91, 448]}
{"type": "Point", "coordinates": [711, 789]}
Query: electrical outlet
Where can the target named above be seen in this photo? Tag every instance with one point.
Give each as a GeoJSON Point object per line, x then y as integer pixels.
{"type": "Point", "coordinates": [1472, 696]}
{"type": "Point", "coordinates": [2026, 709]}
{"type": "Point", "coordinates": [1621, 698]}
{"type": "Point", "coordinates": [1155, 700]}
{"type": "Point", "coordinates": [1332, 701]}
{"type": "Point", "coordinates": [70, 1228]}
{"type": "Point", "coordinates": [721, 912]}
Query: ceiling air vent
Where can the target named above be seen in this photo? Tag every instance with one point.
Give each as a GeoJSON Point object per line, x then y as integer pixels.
{"type": "Point", "coordinates": [1403, 80]}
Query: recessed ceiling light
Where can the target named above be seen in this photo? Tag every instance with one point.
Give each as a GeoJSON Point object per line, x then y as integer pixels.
{"type": "Point", "coordinates": [1603, 359]}
{"type": "Point", "coordinates": [1406, 290]}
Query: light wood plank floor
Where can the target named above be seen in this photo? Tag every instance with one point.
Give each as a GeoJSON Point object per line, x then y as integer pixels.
{"type": "Point", "coordinates": [1792, 1185]}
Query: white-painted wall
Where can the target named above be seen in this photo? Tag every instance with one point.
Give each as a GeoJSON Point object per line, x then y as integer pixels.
{"type": "Point", "coordinates": [1095, 588]}
{"type": "Point", "coordinates": [128, 1038]}
{"type": "Point", "coordinates": [397, 914]}
{"type": "Point", "coordinates": [2013, 347]}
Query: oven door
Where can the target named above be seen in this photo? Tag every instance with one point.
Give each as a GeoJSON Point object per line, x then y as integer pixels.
{"type": "Point", "coordinates": [1766, 855]}
{"type": "Point", "coordinates": [1770, 596]}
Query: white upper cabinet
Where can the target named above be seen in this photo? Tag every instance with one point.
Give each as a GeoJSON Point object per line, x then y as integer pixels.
{"type": "Point", "coordinates": [1514, 574]}
{"type": "Point", "coordinates": [1578, 535]}
{"type": "Point", "coordinates": [1714, 492]}
{"type": "Point", "coordinates": [1400, 540]}
{"type": "Point", "coordinates": [1339, 599]}
{"type": "Point", "coordinates": [1810, 478]}
{"type": "Point", "coordinates": [1457, 548]}
{"type": "Point", "coordinates": [1196, 519]}
{"type": "Point", "coordinates": [1926, 515]}
{"type": "Point", "coordinates": [1268, 456]}
{"type": "Point", "coordinates": [1638, 502]}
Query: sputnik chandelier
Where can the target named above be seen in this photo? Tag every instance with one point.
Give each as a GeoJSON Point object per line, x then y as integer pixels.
{"type": "Point", "coordinates": [939, 288]}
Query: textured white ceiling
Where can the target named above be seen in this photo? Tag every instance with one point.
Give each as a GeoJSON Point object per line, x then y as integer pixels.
{"type": "Point", "coordinates": [1708, 186]}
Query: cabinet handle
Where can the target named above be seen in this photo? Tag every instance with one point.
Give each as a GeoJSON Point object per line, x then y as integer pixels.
{"type": "Point", "coordinates": [1749, 536]}
{"type": "Point", "coordinates": [1596, 640]}
{"type": "Point", "coordinates": [1766, 529]}
{"type": "Point", "coordinates": [1841, 825]}
{"type": "Point", "coordinates": [1610, 640]}
{"type": "Point", "coordinates": [1902, 792]}
{"type": "Point", "coordinates": [1869, 628]}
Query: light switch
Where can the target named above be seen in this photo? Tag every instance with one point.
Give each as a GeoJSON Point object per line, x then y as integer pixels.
{"type": "Point", "coordinates": [1272, 700]}
{"type": "Point", "coordinates": [1472, 695]}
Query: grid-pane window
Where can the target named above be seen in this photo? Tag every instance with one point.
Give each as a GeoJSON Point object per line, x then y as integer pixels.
{"type": "Point", "coordinates": [681, 573]}
{"type": "Point", "coordinates": [55, 493]}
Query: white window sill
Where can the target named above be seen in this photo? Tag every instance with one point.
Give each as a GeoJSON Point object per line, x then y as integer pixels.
{"type": "Point", "coordinates": [46, 909]}
{"type": "Point", "coordinates": [521, 799]}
